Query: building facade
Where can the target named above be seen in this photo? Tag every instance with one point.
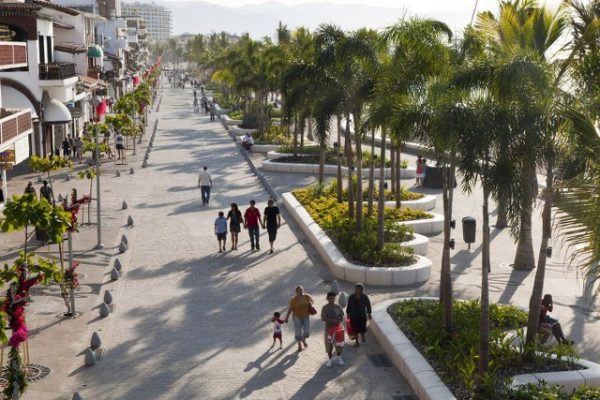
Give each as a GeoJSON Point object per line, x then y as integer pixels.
{"type": "Point", "coordinates": [158, 18]}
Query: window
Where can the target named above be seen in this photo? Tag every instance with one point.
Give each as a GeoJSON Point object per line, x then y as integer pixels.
{"type": "Point", "coordinates": [49, 48]}
{"type": "Point", "coordinates": [41, 49]}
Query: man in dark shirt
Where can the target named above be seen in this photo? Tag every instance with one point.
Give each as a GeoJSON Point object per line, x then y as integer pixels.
{"type": "Point", "coordinates": [272, 220]}
{"type": "Point", "coordinates": [251, 222]}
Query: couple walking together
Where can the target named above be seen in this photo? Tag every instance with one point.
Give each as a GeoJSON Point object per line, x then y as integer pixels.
{"type": "Point", "coordinates": [358, 311]}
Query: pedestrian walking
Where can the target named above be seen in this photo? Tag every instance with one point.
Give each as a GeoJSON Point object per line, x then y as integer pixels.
{"type": "Point", "coordinates": [420, 173]}
{"type": "Point", "coordinates": [277, 323]}
{"type": "Point", "coordinates": [272, 220]}
{"type": "Point", "coordinates": [301, 308]}
{"type": "Point", "coordinates": [30, 189]}
{"type": "Point", "coordinates": [235, 221]}
{"type": "Point", "coordinates": [252, 222]}
{"type": "Point", "coordinates": [333, 315]}
{"type": "Point", "coordinates": [66, 146]}
{"type": "Point", "coordinates": [221, 231]}
{"type": "Point", "coordinates": [77, 146]}
{"type": "Point", "coordinates": [359, 310]}
{"type": "Point", "coordinates": [213, 111]}
{"type": "Point", "coordinates": [205, 184]}
{"type": "Point", "coordinates": [46, 192]}
{"type": "Point", "coordinates": [119, 146]}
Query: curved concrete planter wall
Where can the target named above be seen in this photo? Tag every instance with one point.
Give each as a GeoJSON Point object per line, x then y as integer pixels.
{"type": "Point", "coordinates": [270, 165]}
{"type": "Point", "coordinates": [345, 270]}
{"type": "Point", "coordinates": [425, 203]}
{"type": "Point", "coordinates": [429, 226]}
{"type": "Point", "coordinates": [426, 383]}
{"type": "Point", "coordinates": [259, 148]}
{"type": "Point", "coordinates": [419, 244]}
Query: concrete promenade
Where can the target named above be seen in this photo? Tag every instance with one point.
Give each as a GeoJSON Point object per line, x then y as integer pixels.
{"type": "Point", "coordinates": [191, 323]}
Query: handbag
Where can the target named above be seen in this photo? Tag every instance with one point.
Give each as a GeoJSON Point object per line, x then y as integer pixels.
{"type": "Point", "coordinates": [349, 329]}
{"type": "Point", "coordinates": [312, 310]}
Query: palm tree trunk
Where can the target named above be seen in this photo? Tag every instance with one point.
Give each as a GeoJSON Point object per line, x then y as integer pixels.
{"type": "Point", "coordinates": [538, 283]}
{"type": "Point", "coordinates": [502, 217]}
{"type": "Point", "coordinates": [371, 175]}
{"type": "Point", "coordinates": [348, 150]}
{"type": "Point", "coordinates": [295, 138]}
{"type": "Point", "coordinates": [310, 135]}
{"type": "Point", "coordinates": [359, 182]}
{"type": "Point", "coordinates": [340, 183]}
{"type": "Point", "coordinates": [393, 169]}
{"type": "Point", "coordinates": [381, 201]}
{"type": "Point", "coordinates": [484, 318]}
{"type": "Point", "coordinates": [525, 258]}
{"type": "Point", "coordinates": [397, 176]}
{"type": "Point", "coordinates": [446, 278]}
{"type": "Point", "coordinates": [322, 162]}
{"type": "Point", "coordinates": [302, 126]}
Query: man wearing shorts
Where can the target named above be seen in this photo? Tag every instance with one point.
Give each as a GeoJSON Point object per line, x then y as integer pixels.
{"type": "Point", "coordinates": [221, 231]}
{"type": "Point", "coordinates": [272, 220]}
{"type": "Point", "coordinates": [119, 146]}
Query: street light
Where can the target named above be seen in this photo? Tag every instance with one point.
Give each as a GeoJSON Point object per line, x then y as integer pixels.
{"type": "Point", "coordinates": [99, 244]}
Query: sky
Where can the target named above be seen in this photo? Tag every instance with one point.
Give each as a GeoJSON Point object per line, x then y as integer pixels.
{"type": "Point", "coordinates": [412, 5]}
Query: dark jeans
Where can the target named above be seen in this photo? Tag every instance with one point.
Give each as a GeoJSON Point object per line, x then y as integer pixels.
{"type": "Point", "coordinates": [205, 194]}
{"type": "Point", "coordinates": [253, 232]}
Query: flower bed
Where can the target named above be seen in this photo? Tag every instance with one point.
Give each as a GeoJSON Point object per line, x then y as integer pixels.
{"type": "Point", "coordinates": [321, 204]}
{"type": "Point", "coordinates": [418, 272]}
{"type": "Point", "coordinates": [455, 361]}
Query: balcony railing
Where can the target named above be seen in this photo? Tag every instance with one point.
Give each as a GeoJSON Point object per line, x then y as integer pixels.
{"type": "Point", "coordinates": [13, 55]}
{"type": "Point", "coordinates": [52, 71]}
{"type": "Point", "coordinates": [13, 123]}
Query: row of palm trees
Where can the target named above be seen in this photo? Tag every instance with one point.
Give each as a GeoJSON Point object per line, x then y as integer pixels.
{"type": "Point", "coordinates": [514, 94]}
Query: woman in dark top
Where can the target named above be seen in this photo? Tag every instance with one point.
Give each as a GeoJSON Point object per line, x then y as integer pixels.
{"type": "Point", "coordinates": [359, 310]}
{"type": "Point", "coordinates": [235, 219]}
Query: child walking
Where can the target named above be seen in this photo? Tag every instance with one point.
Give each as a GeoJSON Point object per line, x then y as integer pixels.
{"type": "Point", "coordinates": [221, 231]}
{"type": "Point", "coordinates": [277, 322]}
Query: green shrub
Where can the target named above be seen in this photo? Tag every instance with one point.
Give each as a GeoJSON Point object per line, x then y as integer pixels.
{"type": "Point", "coordinates": [321, 203]}
{"type": "Point", "coordinates": [454, 359]}
{"type": "Point", "coordinates": [236, 114]}
{"type": "Point", "coordinates": [273, 135]}
{"type": "Point", "coordinates": [404, 164]}
{"type": "Point", "coordinates": [289, 149]}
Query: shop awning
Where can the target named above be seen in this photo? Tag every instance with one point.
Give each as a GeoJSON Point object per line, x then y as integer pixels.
{"type": "Point", "coordinates": [56, 112]}
{"type": "Point", "coordinates": [95, 51]}
{"type": "Point", "coordinates": [70, 48]}
{"type": "Point", "coordinates": [13, 99]}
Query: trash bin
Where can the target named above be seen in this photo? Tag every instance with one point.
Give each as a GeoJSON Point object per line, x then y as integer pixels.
{"type": "Point", "coordinates": [469, 225]}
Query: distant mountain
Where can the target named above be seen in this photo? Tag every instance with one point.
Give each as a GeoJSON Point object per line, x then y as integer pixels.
{"type": "Point", "coordinates": [262, 19]}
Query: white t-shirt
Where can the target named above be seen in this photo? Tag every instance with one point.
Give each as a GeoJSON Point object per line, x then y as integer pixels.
{"type": "Point", "coordinates": [248, 139]}
{"type": "Point", "coordinates": [205, 178]}
{"type": "Point", "coordinates": [277, 326]}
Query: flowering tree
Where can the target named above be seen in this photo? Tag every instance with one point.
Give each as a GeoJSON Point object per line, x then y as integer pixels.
{"type": "Point", "coordinates": [23, 274]}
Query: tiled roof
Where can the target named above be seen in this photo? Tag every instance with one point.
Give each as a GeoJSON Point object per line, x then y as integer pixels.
{"type": "Point", "coordinates": [18, 8]}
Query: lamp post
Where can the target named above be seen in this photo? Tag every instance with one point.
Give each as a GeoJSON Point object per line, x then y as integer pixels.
{"type": "Point", "coordinates": [99, 244]}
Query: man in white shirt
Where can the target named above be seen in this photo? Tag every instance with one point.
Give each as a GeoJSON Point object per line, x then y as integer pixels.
{"type": "Point", "coordinates": [205, 184]}
{"type": "Point", "coordinates": [247, 141]}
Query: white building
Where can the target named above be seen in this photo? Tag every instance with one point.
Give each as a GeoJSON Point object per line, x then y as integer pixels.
{"type": "Point", "coordinates": [158, 18]}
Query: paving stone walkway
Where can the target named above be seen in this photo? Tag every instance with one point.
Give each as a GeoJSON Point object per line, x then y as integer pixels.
{"type": "Point", "coordinates": [191, 323]}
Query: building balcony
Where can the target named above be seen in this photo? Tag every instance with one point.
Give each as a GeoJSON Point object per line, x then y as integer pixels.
{"type": "Point", "coordinates": [57, 71]}
{"type": "Point", "coordinates": [14, 123]}
{"type": "Point", "coordinates": [13, 55]}
{"type": "Point", "coordinates": [94, 72]}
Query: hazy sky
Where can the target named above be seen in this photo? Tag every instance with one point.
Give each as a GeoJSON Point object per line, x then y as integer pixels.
{"type": "Point", "coordinates": [412, 5]}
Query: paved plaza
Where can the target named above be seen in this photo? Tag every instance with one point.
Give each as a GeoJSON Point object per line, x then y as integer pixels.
{"type": "Point", "coordinates": [190, 323]}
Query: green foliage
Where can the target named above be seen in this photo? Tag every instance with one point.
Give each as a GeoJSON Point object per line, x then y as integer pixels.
{"type": "Point", "coordinates": [48, 165]}
{"type": "Point", "coordinates": [14, 376]}
{"type": "Point", "coordinates": [289, 149]}
{"type": "Point", "coordinates": [404, 164]}
{"type": "Point", "coordinates": [544, 391]}
{"type": "Point", "coordinates": [455, 358]}
{"type": "Point", "coordinates": [27, 209]}
{"type": "Point", "coordinates": [89, 173]}
{"type": "Point", "coordinates": [366, 159]}
{"type": "Point", "coordinates": [321, 203]}
{"type": "Point", "coordinates": [273, 135]}
{"type": "Point", "coordinates": [236, 114]}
